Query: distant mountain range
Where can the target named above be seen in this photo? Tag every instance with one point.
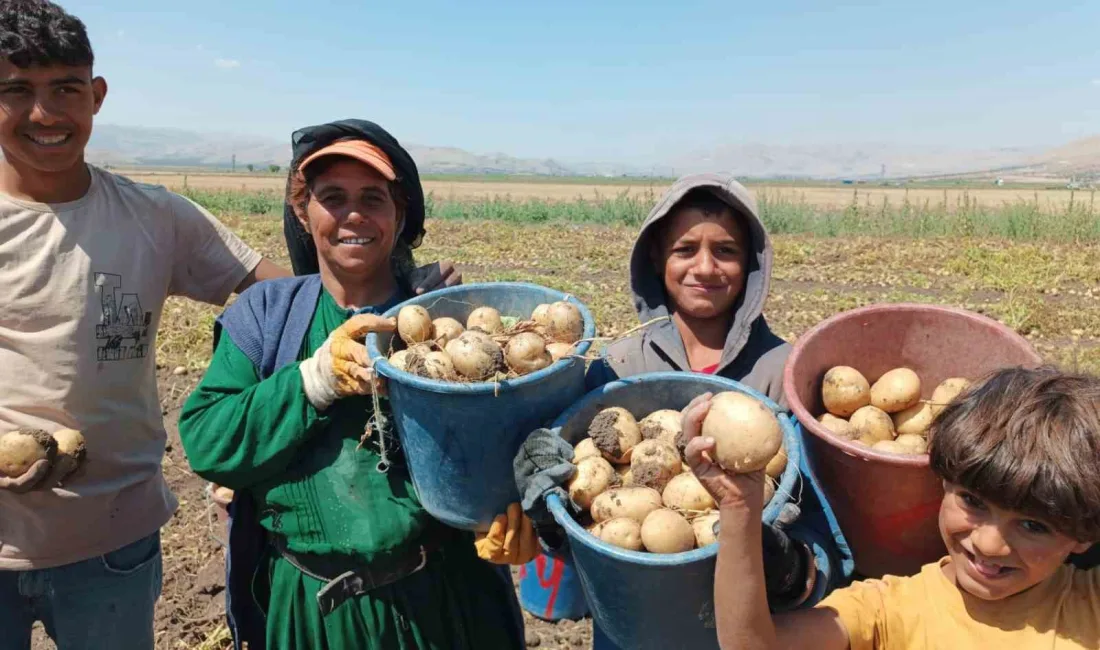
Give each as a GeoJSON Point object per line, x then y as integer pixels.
{"type": "Point", "coordinates": [122, 146]}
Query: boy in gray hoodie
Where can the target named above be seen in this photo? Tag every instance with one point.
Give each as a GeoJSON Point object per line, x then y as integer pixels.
{"type": "Point", "coordinates": [703, 259]}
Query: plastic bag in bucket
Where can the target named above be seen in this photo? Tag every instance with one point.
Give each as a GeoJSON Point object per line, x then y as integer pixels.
{"type": "Point", "coordinates": [642, 600]}
{"type": "Point", "coordinates": [460, 438]}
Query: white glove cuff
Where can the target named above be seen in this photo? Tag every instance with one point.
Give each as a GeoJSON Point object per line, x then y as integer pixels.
{"type": "Point", "coordinates": [318, 379]}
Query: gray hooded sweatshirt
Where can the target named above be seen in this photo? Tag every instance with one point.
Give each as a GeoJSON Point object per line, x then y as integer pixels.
{"type": "Point", "coordinates": [752, 355]}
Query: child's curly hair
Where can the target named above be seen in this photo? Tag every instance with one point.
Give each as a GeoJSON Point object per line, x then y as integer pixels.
{"type": "Point", "coordinates": [1027, 440]}
{"type": "Point", "coordinates": [40, 33]}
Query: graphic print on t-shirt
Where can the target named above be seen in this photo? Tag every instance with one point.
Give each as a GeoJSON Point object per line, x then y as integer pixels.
{"type": "Point", "coordinates": [123, 326]}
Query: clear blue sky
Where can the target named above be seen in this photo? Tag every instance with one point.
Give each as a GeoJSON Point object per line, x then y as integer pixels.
{"type": "Point", "coordinates": [612, 81]}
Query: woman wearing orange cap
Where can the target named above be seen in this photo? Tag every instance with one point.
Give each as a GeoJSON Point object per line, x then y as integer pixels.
{"type": "Point", "coordinates": [329, 546]}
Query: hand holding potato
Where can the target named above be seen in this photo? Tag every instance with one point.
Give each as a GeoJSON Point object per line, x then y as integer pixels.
{"type": "Point", "coordinates": [28, 480]}
{"type": "Point", "coordinates": [728, 490]}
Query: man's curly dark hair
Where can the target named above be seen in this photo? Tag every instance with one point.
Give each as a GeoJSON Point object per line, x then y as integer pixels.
{"type": "Point", "coordinates": [41, 33]}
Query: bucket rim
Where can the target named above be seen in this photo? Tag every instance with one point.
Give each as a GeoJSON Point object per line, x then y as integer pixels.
{"type": "Point", "coordinates": [810, 423]}
{"type": "Point", "coordinates": [389, 371]}
{"type": "Point", "coordinates": [791, 438]}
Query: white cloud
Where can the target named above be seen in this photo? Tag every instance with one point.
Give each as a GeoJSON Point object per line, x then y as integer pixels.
{"type": "Point", "coordinates": [227, 64]}
{"type": "Point", "coordinates": [1096, 82]}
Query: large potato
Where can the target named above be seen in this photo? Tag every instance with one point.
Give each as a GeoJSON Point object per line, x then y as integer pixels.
{"type": "Point", "coordinates": [585, 449]}
{"type": "Point", "coordinates": [896, 390]}
{"type": "Point", "coordinates": [844, 390]}
{"type": "Point", "coordinates": [915, 420]}
{"type": "Point", "coordinates": [704, 529]}
{"type": "Point", "coordinates": [838, 426]}
{"type": "Point", "coordinates": [615, 432]}
{"type": "Point", "coordinates": [414, 324]}
{"type": "Point", "coordinates": [594, 475]}
{"type": "Point", "coordinates": [622, 532]}
{"type": "Point", "coordinates": [526, 353]}
{"type": "Point", "coordinates": [666, 531]}
{"type": "Point", "coordinates": [745, 430]}
{"type": "Point", "coordinates": [663, 425]}
{"type": "Point", "coordinates": [946, 393]}
{"type": "Point", "coordinates": [633, 502]}
{"type": "Point", "coordinates": [22, 448]}
{"type": "Point", "coordinates": [564, 322]}
{"type": "Point", "coordinates": [685, 492]}
{"type": "Point", "coordinates": [653, 463]}
{"type": "Point", "coordinates": [71, 453]}
{"type": "Point", "coordinates": [475, 355]}
{"type": "Point", "coordinates": [872, 424]}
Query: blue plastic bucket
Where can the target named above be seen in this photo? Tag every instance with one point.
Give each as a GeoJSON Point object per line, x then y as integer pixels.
{"type": "Point", "coordinates": [460, 439]}
{"type": "Point", "coordinates": [644, 600]}
{"type": "Point", "coordinates": [550, 589]}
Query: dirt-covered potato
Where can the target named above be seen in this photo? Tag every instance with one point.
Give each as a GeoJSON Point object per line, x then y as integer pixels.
{"type": "Point", "coordinates": [685, 492]}
{"type": "Point", "coordinates": [872, 424]}
{"type": "Point", "coordinates": [704, 529]}
{"type": "Point", "coordinates": [475, 355]}
{"type": "Point", "coordinates": [564, 322]}
{"type": "Point", "coordinates": [666, 531]}
{"type": "Point", "coordinates": [445, 330]}
{"type": "Point", "coordinates": [844, 390]}
{"type": "Point", "coordinates": [622, 532]}
{"type": "Point", "coordinates": [400, 359]}
{"type": "Point", "coordinates": [526, 353]}
{"type": "Point", "coordinates": [414, 324]}
{"type": "Point", "coordinates": [896, 390]}
{"type": "Point", "coordinates": [663, 425]}
{"type": "Point", "coordinates": [745, 430]}
{"type": "Point", "coordinates": [946, 393]}
{"type": "Point", "coordinates": [433, 364]}
{"type": "Point", "coordinates": [71, 453]}
{"type": "Point", "coordinates": [634, 502]}
{"type": "Point", "coordinates": [594, 476]}
{"type": "Point", "coordinates": [485, 319]}
{"type": "Point", "coordinates": [22, 448]}
{"type": "Point", "coordinates": [654, 463]}
{"type": "Point", "coordinates": [615, 432]}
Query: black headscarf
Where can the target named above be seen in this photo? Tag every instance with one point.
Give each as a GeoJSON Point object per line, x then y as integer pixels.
{"type": "Point", "coordinates": [303, 253]}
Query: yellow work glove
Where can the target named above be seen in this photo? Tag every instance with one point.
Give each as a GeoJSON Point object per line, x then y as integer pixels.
{"type": "Point", "coordinates": [511, 539]}
{"type": "Point", "coordinates": [341, 366]}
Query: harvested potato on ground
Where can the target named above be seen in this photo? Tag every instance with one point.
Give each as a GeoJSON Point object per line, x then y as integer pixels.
{"type": "Point", "coordinates": [565, 324]}
{"type": "Point", "coordinates": [475, 355]}
{"type": "Point", "coordinates": [560, 350]}
{"type": "Point", "coordinates": [666, 531]}
{"type": "Point", "coordinates": [654, 463]}
{"type": "Point", "coordinates": [914, 443]}
{"type": "Point", "coordinates": [839, 426]}
{"type": "Point", "coordinates": [844, 390]}
{"type": "Point", "coordinates": [745, 430]}
{"type": "Point", "coordinates": [704, 529]}
{"type": "Point", "coordinates": [896, 390]}
{"type": "Point", "coordinates": [633, 502]}
{"type": "Point", "coordinates": [541, 315]}
{"type": "Point", "coordinates": [778, 463]}
{"type": "Point", "coordinates": [71, 453]}
{"type": "Point", "coordinates": [891, 447]}
{"type": "Point", "coordinates": [615, 432]}
{"type": "Point", "coordinates": [445, 330]}
{"type": "Point", "coordinates": [946, 393]}
{"type": "Point", "coordinates": [685, 492]}
{"type": "Point", "coordinates": [872, 423]}
{"type": "Point", "coordinates": [433, 364]}
{"type": "Point", "coordinates": [526, 353]}
{"type": "Point", "coordinates": [485, 319]}
{"type": "Point", "coordinates": [22, 448]}
{"type": "Point", "coordinates": [915, 420]}
{"type": "Point", "coordinates": [585, 449]}
{"type": "Point", "coordinates": [593, 477]}
{"type": "Point", "coordinates": [414, 324]}
{"type": "Point", "coordinates": [663, 425]}
{"type": "Point", "coordinates": [622, 532]}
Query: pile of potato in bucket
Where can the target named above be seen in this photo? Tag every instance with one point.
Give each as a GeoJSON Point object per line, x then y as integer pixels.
{"type": "Point", "coordinates": [64, 450]}
{"type": "Point", "coordinates": [490, 347]}
{"type": "Point", "coordinates": [638, 492]}
{"type": "Point", "coordinates": [887, 416]}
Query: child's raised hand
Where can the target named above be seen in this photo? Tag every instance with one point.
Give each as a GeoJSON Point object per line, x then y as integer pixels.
{"type": "Point", "coordinates": [727, 489]}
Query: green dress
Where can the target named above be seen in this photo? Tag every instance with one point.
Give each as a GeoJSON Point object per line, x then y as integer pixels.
{"type": "Point", "coordinates": [319, 489]}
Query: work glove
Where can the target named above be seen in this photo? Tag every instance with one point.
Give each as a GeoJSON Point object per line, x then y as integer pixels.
{"type": "Point", "coordinates": [543, 466]}
{"type": "Point", "coordinates": [437, 275]}
{"type": "Point", "coordinates": [511, 539]}
{"type": "Point", "coordinates": [341, 366]}
{"type": "Point", "coordinates": [30, 479]}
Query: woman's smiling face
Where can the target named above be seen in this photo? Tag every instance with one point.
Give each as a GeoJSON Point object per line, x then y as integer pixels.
{"type": "Point", "coordinates": [352, 218]}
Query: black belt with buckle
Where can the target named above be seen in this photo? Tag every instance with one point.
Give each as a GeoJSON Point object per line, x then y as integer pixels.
{"type": "Point", "coordinates": [345, 580]}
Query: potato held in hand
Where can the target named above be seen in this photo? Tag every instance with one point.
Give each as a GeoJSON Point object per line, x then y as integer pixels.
{"type": "Point", "coordinates": [71, 453]}
{"type": "Point", "coordinates": [746, 432]}
{"type": "Point", "coordinates": [22, 448]}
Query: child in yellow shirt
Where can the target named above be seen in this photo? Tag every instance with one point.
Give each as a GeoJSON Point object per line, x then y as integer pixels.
{"type": "Point", "coordinates": [1018, 458]}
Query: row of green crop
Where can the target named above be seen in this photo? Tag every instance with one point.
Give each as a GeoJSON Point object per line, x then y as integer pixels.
{"type": "Point", "coordinates": [1024, 220]}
